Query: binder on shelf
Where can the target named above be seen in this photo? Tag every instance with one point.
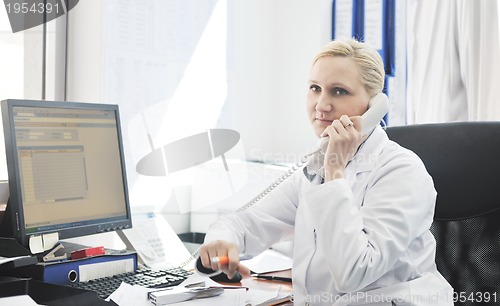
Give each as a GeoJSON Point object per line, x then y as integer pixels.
{"type": "Point", "coordinates": [343, 25]}
{"type": "Point", "coordinates": [390, 37]}
{"type": "Point", "coordinates": [370, 21]}
{"type": "Point", "coordinates": [359, 19]}
{"type": "Point", "coordinates": [385, 90]}
{"type": "Point", "coordinates": [378, 29]}
{"type": "Point", "coordinates": [347, 19]}
{"type": "Point", "coordinates": [399, 78]}
{"type": "Point", "coordinates": [395, 61]}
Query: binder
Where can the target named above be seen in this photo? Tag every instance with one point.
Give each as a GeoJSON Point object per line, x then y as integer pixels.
{"type": "Point", "coordinates": [343, 25]}
{"type": "Point", "coordinates": [390, 37]}
{"type": "Point", "coordinates": [347, 19]}
{"type": "Point", "coordinates": [378, 29]}
{"type": "Point", "coordinates": [370, 21]}
{"type": "Point", "coordinates": [64, 272]}
{"type": "Point", "coordinates": [396, 63]}
{"type": "Point", "coordinates": [387, 91]}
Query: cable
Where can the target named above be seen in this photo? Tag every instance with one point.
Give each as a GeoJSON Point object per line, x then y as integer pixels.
{"type": "Point", "coordinates": [261, 195]}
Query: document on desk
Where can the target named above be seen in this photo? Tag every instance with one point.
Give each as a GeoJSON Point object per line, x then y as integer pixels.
{"type": "Point", "coordinates": [128, 295]}
{"type": "Point", "coordinates": [24, 300]}
{"type": "Point", "coordinates": [268, 261]}
{"type": "Point", "coordinates": [238, 296]}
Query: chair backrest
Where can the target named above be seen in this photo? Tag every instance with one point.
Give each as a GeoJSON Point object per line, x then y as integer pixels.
{"type": "Point", "coordinates": [463, 159]}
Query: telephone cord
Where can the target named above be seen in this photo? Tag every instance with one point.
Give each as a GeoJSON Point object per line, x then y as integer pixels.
{"type": "Point", "coordinates": [257, 198]}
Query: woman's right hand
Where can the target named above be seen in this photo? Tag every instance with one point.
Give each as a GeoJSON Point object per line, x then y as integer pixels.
{"type": "Point", "coordinates": [344, 140]}
{"type": "Point", "coordinates": [220, 248]}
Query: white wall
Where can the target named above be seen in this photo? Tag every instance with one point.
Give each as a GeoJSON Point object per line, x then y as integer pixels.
{"type": "Point", "coordinates": [271, 44]}
{"type": "Point", "coordinates": [85, 51]}
{"type": "Point", "coordinates": [269, 48]}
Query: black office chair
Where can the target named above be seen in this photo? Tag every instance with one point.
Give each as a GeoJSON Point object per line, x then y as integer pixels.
{"type": "Point", "coordinates": [463, 159]}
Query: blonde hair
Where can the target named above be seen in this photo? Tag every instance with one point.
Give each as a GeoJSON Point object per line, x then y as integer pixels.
{"type": "Point", "coordinates": [368, 59]}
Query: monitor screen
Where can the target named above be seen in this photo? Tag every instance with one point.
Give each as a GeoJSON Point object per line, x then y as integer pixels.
{"type": "Point", "coordinates": [66, 169]}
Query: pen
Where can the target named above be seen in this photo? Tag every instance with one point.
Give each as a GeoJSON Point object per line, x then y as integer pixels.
{"type": "Point", "coordinates": [224, 260]}
{"type": "Point", "coordinates": [274, 278]}
{"type": "Point", "coordinates": [231, 287]}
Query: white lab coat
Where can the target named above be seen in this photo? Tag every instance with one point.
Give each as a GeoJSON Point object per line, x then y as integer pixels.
{"type": "Point", "coordinates": [453, 60]}
{"type": "Point", "coordinates": [362, 240]}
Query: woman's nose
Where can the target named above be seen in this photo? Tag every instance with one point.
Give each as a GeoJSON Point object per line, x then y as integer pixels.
{"type": "Point", "coordinates": [322, 105]}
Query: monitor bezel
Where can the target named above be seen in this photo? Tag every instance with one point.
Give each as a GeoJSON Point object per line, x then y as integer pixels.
{"type": "Point", "coordinates": [13, 222]}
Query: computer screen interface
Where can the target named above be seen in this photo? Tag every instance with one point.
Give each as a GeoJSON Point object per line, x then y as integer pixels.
{"type": "Point", "coordinates": [69, 168]}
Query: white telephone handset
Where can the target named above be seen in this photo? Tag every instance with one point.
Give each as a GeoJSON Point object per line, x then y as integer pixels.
{"type": "Point", "coordinates": [378, 107]}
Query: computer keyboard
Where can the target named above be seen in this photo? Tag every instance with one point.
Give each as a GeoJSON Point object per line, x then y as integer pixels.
{"type": "Point", "coordinates": [143, 277]}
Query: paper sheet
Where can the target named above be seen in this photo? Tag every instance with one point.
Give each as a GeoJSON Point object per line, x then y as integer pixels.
{"type": "Point", "coordinates": [128, 295]}
{"type": "Point", "coordinates": [373, 23]}
{"type": "Point", "coordinates": [343, 19]}
{"type": "Point", "coordinates": [7, 259]}
{"type": "Point", "coordinates": [234, 297]}
{"type": "Point", "coordinates": [36, 244]}
{"type": "Point", "coordinates": [24, 300]}
{"type": "Point", "coordinates": [50, 240]}
{"type": "Point", "coordinates": [230, 297]}
{"type": "Point", "coordinates": [268, 261]}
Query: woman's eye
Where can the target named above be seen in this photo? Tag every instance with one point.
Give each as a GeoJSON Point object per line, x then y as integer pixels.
{"type": "Point", "coordinates": [339, 91]}
{"type": "Point", "coordinates": [314, 88]}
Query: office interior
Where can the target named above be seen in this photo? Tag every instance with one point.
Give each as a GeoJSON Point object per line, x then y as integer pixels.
{"type": "Point", "coordinates": [178, 68]}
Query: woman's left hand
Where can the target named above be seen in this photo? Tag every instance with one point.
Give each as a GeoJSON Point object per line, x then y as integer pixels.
{"type": "Point", "coordinates": [345, 139]}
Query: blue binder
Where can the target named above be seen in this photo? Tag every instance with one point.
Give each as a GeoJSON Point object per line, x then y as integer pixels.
{"type": "Point", "coordinates": [379, 29]}
{"type": "Point", "coordinates": [386, 91]}
{"type": "Point", "coordinates": [344, 21]}
{"type": "Point", "coordinates": [61, 272]}
{"type": "Point", "coordinates": [370, 21]}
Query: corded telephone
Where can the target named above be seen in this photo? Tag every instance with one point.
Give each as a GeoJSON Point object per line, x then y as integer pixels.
{"type": "Point", "coordinates": [156, 243]}
{"type": "Point", "coordinates": [377, 108]}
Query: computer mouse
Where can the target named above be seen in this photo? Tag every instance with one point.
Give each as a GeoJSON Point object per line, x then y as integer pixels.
{"type": "Point", "coordinates": [217, 276]}
{"type": "Point", "coordinates": [223, 278]}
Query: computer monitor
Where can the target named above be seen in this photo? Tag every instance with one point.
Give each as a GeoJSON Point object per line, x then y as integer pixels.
{"type": "Point", "coordinates": [66, 169]}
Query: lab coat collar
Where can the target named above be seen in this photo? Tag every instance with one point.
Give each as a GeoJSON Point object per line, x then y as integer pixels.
{"type": "Point", "coordinates": [369, 152]}
{"type": "Point", "coordinates": [365, 159]}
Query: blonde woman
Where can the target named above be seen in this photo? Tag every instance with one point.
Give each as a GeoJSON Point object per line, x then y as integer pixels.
{"type": "Point", "coordinates": [359, 214]}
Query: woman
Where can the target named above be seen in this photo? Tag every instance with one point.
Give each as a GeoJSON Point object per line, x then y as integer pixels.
{"type": "Point", "coordinates": [359, 214]}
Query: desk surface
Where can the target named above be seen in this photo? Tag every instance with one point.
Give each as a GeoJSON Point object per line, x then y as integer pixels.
{"type": "Point", "coordinates": [44, 292]}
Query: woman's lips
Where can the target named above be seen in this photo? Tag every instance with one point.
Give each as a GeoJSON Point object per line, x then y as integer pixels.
{"type": "Point", "coordinates": [324, 121]}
